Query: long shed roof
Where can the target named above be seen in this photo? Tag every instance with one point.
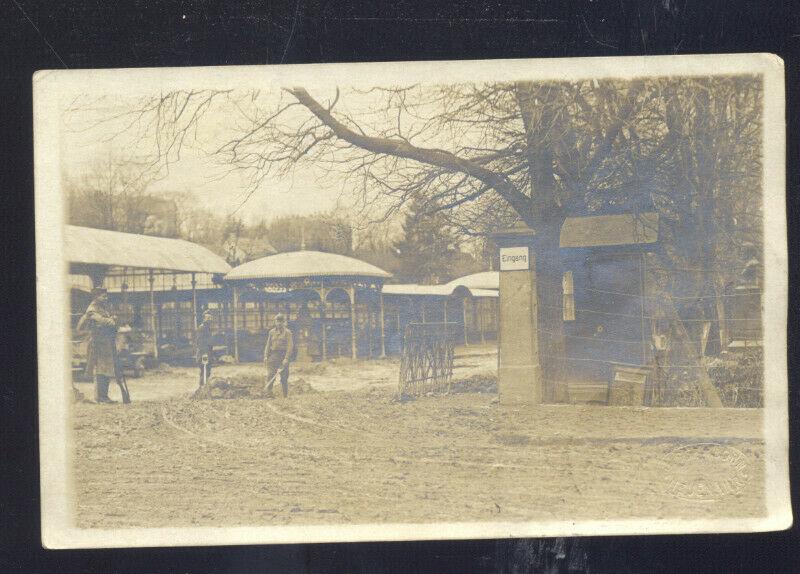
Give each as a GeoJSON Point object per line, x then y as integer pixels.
{"type": "Point", "coordinates": [305, 264]}
{"type": "Point", "coordinates": [415, 290]}
{"type": "Point", "coordinates": [607, 230]}
{"type": "Point", "coordinates": [481, 280]}
{"type": "Point", "coordinates": [90, 246]}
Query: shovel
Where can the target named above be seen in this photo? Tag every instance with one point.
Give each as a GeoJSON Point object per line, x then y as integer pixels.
{"type": "Point", "coordinates": [274, 379]}
{"type": "Point", "coordinates": [123, 387]}
{"type": "Point", "coordinates": [204, 362]}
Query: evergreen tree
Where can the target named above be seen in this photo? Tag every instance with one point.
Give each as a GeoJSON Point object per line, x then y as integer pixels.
{"type": "Point", "coordinates": [429, 247]}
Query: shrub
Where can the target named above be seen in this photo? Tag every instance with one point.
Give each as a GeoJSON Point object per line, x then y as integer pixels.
{"type": "Point", "coordinates": [739, 377]}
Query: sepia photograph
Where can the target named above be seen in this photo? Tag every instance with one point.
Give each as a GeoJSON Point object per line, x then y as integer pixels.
{"type": "Point", "coordinates": [400, 301]}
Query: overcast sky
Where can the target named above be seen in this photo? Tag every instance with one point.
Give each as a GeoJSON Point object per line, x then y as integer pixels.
{"type": "Point", "coordinates": [309, 189]}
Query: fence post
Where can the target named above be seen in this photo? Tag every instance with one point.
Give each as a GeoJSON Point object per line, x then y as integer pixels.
{"type": "Point", "coordinates": [383, 333]}
{"type": "Point", "coordinates": [464, 318]}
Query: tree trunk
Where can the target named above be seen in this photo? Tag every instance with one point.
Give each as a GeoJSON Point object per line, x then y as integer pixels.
{"type": "Point", "coordinates": [549, 291]}
{"type": "Point", "coordinates": [722, 318]}
{"type": "Point", "coordinates": [546, 218]}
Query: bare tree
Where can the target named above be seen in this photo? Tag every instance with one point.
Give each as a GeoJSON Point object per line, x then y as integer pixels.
{"type": "Point", "coordinates": [533, 150]}
{"type": "Point", "coordinates": [109, 194]}
{"type": "Point", "coordinates": [490, 154]}
{"type": "Point", "coordinates": [711, 194]}
{"type": "Point", "coordinates": [326, 232]}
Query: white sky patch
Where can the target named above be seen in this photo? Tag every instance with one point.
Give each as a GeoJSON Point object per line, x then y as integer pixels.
{"type": "Point", "coordinates": [225, 193]}
{"type": "Point", "coordinates": [307, 190]}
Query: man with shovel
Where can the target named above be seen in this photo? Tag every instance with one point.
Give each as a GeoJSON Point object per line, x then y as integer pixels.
{"type": "Point", "coordinates": [204, 347]}
{"type": "Point", "coordinates": [277, 353]}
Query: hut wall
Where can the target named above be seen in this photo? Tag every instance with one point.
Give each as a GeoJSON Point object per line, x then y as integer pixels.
{"type": "Point", "coordinates": [611, 324]}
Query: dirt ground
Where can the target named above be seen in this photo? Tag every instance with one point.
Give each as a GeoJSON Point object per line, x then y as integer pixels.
{"type": "Point", "coordinates": [354, 453]}
{"type": "Point", "coordinates": [336, 375]}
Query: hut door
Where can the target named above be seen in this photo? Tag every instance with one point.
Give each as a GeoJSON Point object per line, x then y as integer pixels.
{"type": "Point", "coordinates": [616, 283]}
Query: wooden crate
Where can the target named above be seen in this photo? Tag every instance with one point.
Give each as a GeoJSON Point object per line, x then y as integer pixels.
{"type": "Point", "coordinates": [627, 386]}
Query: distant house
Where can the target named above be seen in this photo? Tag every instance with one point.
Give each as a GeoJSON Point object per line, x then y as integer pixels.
{"type": "Point", "coordinates": [162, 216]}
{"type": "Point", "coordinates": [239, 250]}
{"type": "Point", "coordinates": [742, 304]}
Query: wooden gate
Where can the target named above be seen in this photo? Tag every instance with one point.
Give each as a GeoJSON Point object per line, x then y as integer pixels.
{"type": "Point", "coordinates": [427, 360]}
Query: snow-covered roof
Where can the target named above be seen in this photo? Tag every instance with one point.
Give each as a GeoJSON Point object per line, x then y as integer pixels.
{"type": "Point", "coordinates": [482, 280]}
{"type": "Point", "coordinates": [413, 289]}
{"type": "Point", "coordinates": [88, 246]}
{"type": "Point", "coordinates": [305, 264]}
{"type": "Point", "coordinates": [483, 292]}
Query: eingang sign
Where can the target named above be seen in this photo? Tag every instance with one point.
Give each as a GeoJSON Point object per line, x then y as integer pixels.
{"type": "Point", "coordinates": [514, 259]}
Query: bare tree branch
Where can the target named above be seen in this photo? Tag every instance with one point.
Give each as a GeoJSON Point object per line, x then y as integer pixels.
{"type": "Point", "coordinates": [399, 148]}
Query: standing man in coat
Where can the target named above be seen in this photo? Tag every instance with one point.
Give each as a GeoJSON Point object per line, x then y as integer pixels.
{"type": "Point", "coordinates": [204, 347]}
{"type": "Point", "coordinates": [277, 354]}
{"type": "Point", "coordinates": [102, 363]}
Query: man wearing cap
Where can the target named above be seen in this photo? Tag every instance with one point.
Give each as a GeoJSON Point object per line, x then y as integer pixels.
{"type": "Point", "coordinates": [204, 346]}
{"type": "Point", "coordinates": [101, 362]}
{"type": "Point", "coordinates": [277, 353]}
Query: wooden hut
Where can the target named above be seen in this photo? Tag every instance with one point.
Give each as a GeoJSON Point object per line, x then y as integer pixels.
{"type": "Point", "coordinates": [741, 327]}
{"type": "Point", "coordinates": [605, 286]}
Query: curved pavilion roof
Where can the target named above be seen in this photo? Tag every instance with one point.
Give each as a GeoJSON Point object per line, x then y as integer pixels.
{"type": "Point", "coordinates": [295, 264]}
{"type": "Point", "coordinates": [482, 280]}
{"type": "Point", "coordinates": [89, 246]}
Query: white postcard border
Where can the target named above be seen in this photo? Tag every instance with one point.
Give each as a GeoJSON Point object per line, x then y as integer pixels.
{"type": "Point", "coordinates": [53, 88]}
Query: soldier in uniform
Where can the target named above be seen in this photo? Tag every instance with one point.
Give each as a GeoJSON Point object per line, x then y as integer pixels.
{"type": "Point", "coordinates": [204, 347]}
{"type": "Point", "coordinates": [102, 363]}
{"type": "Point", "coordinates": [277, 354]}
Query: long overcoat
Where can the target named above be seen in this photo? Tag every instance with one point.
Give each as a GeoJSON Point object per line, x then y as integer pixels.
{"type": "Point", "coordinates": [205, 342]}
{"type": "Point", "coordinates": [102, 351]}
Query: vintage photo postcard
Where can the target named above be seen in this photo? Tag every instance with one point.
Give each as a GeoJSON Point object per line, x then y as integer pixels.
{"type": "Point", "coordinates": [401, 301]}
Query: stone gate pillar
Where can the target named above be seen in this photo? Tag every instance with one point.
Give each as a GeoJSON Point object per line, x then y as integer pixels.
{"type": "Point", "coordinates": [519, 373]}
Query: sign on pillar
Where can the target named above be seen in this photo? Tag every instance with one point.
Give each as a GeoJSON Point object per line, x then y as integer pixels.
{"type": "Point", "coordinates": [519, 375]}
{"type": "Point", "coordinates": [515, 258]}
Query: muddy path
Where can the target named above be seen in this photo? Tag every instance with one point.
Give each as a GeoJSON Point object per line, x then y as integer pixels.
{"type": "Point", "coordinates": [362, 456]}
{"type": "Point", "coordinates": [342, 374]}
